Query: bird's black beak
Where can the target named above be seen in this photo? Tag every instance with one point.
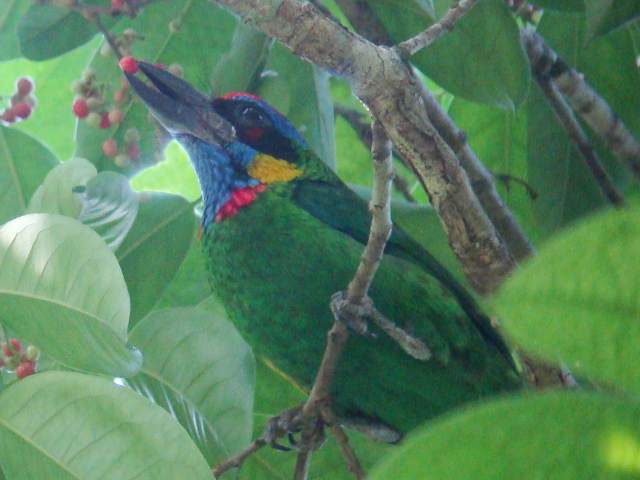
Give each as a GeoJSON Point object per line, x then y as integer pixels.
{"type": "Point", "coordinates": [179, 107]}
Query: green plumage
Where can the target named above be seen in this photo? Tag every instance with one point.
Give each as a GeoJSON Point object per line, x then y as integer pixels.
{"type": "Point", "coordinates": [275, 266]}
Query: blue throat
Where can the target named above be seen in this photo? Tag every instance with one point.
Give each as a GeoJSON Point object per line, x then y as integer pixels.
{"type": "Point", "coordinates": [220, 172]}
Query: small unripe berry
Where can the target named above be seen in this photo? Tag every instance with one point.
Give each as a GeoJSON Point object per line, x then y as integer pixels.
{"type": "Point", "coordinates": [134, 151]}
{"type": "Point", "coordinates": [132, 135]}
{"type": "Point", "coordinates": [115, 116]}
{"type": "Point", "coordinates": [88, 75]}
{"type": "Point", "coordinates": [122, 160]}
{"type": "Point", "coordinates": [25, 369]}
{"type": "Point", "coordinates": [8, 116]}
{"type": "Point", "coordinates": [32, 353]}
{"type": "Point", "coordinates": [24, 86]}
{"type": "Point", "coordinates": [22, 110]}
{"type": "Point", "coordinates": [117, 5]}
{"type": "Point", "coordinates": [174, 25]}
{"type": "Point", "coordinates": [176, 69]}
{"type": "Point", "coordinates": [118, 96]}
{"type": "Point", "coordinates": [93, 119]}
{"type": "Point", "coordinates": [128, 65]}
{"type": "Point", "coordinates": [110, 148]}
{"type": "Point", "coordinates": [77, 87]}
{"type": "Point", "coordinates": [104, 120]}
{"type": "Point", "coordinates": [130, 34]}
{"type": "Point", "coordinates": [94, 103]}
{"type": "Point", "coordinates": [80, 108]}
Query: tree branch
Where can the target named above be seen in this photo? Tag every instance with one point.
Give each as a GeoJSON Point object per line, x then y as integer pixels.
{"type": "Point", "coordinates": [237, 460]}
{"type": "Point", "coordinates": [367, 23]}
{"type": "Point", "coordinates": [425, 38]}
{"type": "Point", "coordinates": [392, 92]}
{"type": "Point", "coordinates": [593, 109]}
{"type": "Point", "coordinates": [579, 138]}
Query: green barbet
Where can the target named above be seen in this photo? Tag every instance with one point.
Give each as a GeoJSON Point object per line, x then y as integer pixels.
{"type": "Point", "coordinates": [282, 233]}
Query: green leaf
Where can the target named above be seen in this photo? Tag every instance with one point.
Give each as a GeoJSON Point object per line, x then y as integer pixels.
{"type": "Point", "coordinates": [61, 289]}
{"type": "Point", "coordinates": [604, 16]}
{"type": "Point", "coordinates": [51, 121]}
{"type": "Point", "coordinates": [197, 46]}
{"type": "Point", "coordinates": [154, 248]}
{"type": "Point", "coordinates": [494, 71]}
{"type": "Point", "coordinates": [197, 367]}
{"type": "Point", "coordinates": [46, 31]}
{"type": "Point", "coordinates": [62, 425]}
{"type": "Point", "coordinates": [556, 170]}
{"type": "Point", "coordinates": [9, 18]}
{"type": "Point", "coordinates": [300, 91]}
{"type": "Point", "coordinates": [56, 194]}
{"type": "Point", "coordinates": [499, 139]}
{"type": "Point", "coordinates": [172, 175]}
{"type": "Point", "coordinates": [590, 435]}
{"type": "Point", "coordinates": [109, 206]}
{"type": "Point", "coordinates": [576, 302]}
{"type": "Point", "coordinates": [24, 163]}
{"type": "Point", "coordinates": [562, 5]}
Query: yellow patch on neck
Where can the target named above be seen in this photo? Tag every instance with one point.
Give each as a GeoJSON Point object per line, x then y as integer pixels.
{"type": "Point", "coordinates": [268, 169]}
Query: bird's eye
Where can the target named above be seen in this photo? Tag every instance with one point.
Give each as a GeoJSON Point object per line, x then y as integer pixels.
{"type": "Point", "coordinates": [252, 116]}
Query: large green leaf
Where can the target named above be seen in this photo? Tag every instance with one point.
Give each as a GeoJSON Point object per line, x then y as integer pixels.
{"type": "Point", "coordinates": [604, 16]}
{"type": "Point", "coordinates": [9, 17]}
{"type": "Point", "coordinates": [556, 170]}
{"type": "Point", "coordinates": [24, 163]}
{"type": "Point", "coordinates": [61, 289]}
{"type": "Point", "coordinates": [109, 206]}
{"type": "Point", "coordinates": [198, 368]}
{"type": "Point", "coordinates": [499, 138]}
{"type": "Point", "coordinates": [56, 194]}
{"type": "Point", "coordinates": [480, 60]}
{"type": "Point", "coordinates": [51, 122]}
{"type": "Point", "coordinates": [154, 248]}
{"type": "Point", "coordinates": [62, 425]}
{"type": "Point", "coordinates": [577, 301]}
{"type": "Point", "coordinates": [564, 436]}
{"type": "Point", "coordinates": [46, 31]}
{"type": "Point", "coordinates": [197, 46]}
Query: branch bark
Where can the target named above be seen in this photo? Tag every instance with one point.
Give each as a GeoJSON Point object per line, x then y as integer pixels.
{"type": "Point", "coordinates": [445, 24]}
{"type": "Point", "coordinates": [367, 23]}
{"type": "Point", "coordinates": [580, 140]}
{"type": "Point", "coordinates": [593, 109]}
{"type": "Point", "coordinates": [392, 92]}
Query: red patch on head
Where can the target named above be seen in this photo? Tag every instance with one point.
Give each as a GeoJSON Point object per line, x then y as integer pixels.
{"type": "Point", "coordinates": [252, 134]}
{"type": "Point", "coordinates": [232, 95]}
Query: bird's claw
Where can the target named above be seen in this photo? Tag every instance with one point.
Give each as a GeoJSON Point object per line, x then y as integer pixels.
{"type": "Point", "coordinates": [289, 423]}
{"type": "Point", "coordinates": [351, 315]}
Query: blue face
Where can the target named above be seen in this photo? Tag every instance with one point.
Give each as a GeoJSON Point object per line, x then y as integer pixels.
{"type": "Point", "coordinates": [261, 126]}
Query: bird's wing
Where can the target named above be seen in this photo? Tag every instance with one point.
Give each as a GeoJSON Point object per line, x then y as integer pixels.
{"type": "Point", "coordinates": [334, 204]}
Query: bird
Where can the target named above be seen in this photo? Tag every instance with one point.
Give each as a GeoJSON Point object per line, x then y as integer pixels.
{"type": "Point", "coordinates": [281, 233]}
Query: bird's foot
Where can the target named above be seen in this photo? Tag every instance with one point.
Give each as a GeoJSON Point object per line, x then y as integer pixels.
{"type": "Point", "coordinates": [292, 422]}
{"type": "Point", "coordinates": [353, 316]}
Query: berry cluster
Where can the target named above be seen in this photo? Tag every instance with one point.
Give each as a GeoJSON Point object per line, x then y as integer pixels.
{"type": "Point", "coordinates": [130, 153]}
{"type": "Point", "coordinates": [22, 102]}
{"type": "Point", "coordinates": [13, 357]}
{"type": "Point", "coordinates": [90, 104]}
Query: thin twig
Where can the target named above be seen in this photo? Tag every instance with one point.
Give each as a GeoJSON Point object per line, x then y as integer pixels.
{"type": "Point", "coordinates": [584, 100]}
{"type": "Point", "coordinates": [237, 460]}
{"type": "Point", "coordinates": [303, 460]}
{"type": "Point", "coordinates": [579, 138]}
{"type": "Point", "coordinates": [445, 24]}
{"type": "Point", "coordinates": [108, 36]}
{"type": "Point", "coordinates": [342, 439]}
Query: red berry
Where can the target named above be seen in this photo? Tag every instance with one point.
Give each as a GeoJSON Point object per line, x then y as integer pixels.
{"type": "Point", "coordinates": [80, 108]}
{"type": "Point", "coordinates": [117, 5]}
{"type": "Point", "coordinates": [128, 65]}
{"type": "Point", "coordinates": [22, 110]}
{"type": "Point", "coordinates": [25, 369]}
{"type": "Point", "coordinates": [15, 343]}
{"type": "Point", "coordinates": [104, 120]}
{"type": "Point", "coordinates": [110, 147]}
{"type": "Point", "coordinates": [24, 86]}
{"type": "Point", "coordinates": [8, 116]}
